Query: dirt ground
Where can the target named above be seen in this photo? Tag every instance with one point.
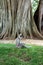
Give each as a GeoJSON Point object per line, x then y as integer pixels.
{"type": "Point", "coordinates": [26, 41]}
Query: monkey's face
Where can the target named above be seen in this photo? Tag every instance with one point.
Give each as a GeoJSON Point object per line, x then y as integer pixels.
{"type": "Point", "coordinates": [20, 36]}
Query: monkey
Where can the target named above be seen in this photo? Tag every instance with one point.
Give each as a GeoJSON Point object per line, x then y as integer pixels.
{"type": "Point", "coordinates": [19, 43]}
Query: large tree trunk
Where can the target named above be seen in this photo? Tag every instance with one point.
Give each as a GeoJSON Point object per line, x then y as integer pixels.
{"type": "Point", "coordinates": [17, 18]}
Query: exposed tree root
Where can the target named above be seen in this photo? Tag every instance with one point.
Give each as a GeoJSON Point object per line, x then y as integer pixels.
{"type": "Point", "coordinates": [19, 19]}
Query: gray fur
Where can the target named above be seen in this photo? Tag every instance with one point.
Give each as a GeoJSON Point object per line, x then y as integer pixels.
{"type": "Point", "coordinates": [19, 43]}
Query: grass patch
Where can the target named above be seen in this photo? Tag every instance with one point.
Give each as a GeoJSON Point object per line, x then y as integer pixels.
{"type": "Point", "coordinates": [9, 55]}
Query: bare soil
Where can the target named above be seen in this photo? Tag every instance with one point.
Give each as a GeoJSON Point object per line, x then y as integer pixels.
{"type": "Point", "coordinates": [26, 41]}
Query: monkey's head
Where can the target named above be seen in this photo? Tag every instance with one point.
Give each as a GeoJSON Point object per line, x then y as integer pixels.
{"type": "Point", "coordinates": [20, 36]}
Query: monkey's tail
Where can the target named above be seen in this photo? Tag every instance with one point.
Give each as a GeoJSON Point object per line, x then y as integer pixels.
{"type": "Point", "coordinates": [27, 46]}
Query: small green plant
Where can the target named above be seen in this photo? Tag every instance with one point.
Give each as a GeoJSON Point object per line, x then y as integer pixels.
{"type": "Point", "coordinates": [34, 5]}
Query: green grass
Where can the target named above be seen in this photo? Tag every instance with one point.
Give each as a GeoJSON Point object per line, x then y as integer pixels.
{"type": "Point", "coordinates": [9, 55]}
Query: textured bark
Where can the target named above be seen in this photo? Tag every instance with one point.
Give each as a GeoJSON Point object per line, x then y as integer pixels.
{"type": "Point", "coordinates": [38, 17]}
{"type": "Point", "coordinates": [17, 18]}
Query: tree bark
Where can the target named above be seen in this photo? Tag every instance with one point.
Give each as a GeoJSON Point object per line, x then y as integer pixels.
{"type": "Point", "coordinates": [18, 19]}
